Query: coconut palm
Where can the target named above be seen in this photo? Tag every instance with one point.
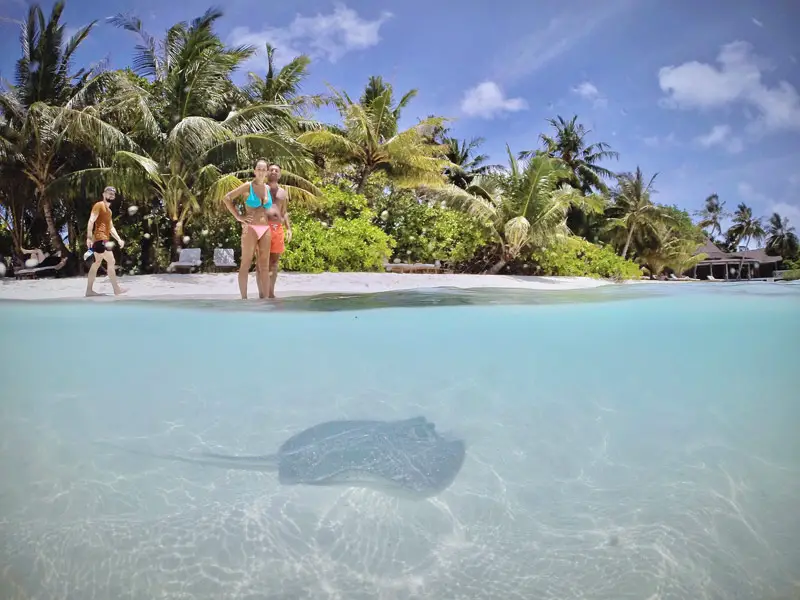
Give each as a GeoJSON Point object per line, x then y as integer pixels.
{"type": "Point", "coordinates": [781, 238]}
{"type": "Point", "coordinates": [467, 163]}
{"type": "Point", "coordinates": [522, 208]}
{"type": "Point", "coordinates": [188, 155]}
{"type": "Point", "coordinates": [711, 215]}
{"type": "Point", "coordinates": [369, 141]}
{"type": "Point", "coordinates": [381, 94]}
{"type": "Point", "coordinates": [745, 228]}
{"type": "Point", "coordinates": [50, 108]}
{"type": "Point", "coordinates": [570, 145]}
{"type": "Point", "coordinates": [669, 250]}
{"type": "Point", "coordinates": [16, 195]}
{"type": "Point", "coordinates": [632, 211]}
{"type": "Point", "coordinates": [281, 86]}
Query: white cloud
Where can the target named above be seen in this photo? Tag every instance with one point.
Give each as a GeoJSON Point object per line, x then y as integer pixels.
{"type": "Point", "coordinates": [547, 43]}
{"type": "Point", "coordinates": [654, 141]}
{"type": "Point", "coordinates": [738, 79]}
{"type": "Point", "coordinates": [748, 193]}
{"type": "Point", "coordinates": [767, 205]}
{"type": "Point", "coordinates": [757, 23]}
{"type": "Point", "coordinates": [790, 211]}
{"type": "Point", "coordinates": [721, 136]}
{"type": "Point", "coordinates": [487, 100]}
{"type": "Point", "coordinates": [328, 36]}
{"type": "Point", "coordinates": [589, 91]}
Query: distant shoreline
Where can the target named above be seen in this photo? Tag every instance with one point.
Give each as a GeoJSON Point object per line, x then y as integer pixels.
{"type": "Point", "coordinates": [224, 286]}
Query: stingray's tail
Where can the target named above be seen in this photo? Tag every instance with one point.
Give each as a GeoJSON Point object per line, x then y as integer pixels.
{"type": "Point", "coordinates": [266, 463]}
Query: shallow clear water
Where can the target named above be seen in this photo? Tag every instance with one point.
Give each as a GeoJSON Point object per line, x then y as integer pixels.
{"type": "Point", "coordinates": [625, 442]}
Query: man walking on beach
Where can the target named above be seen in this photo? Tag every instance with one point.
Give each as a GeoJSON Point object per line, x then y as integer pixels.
{"type": "Point", "coordinates": [98, 234]}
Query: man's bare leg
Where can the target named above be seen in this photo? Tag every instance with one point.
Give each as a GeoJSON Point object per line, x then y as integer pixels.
{"type": "Point", "coordinates": [112, 272]}
{"type": "Point", "coordinates": [92, 275]}
{"type": "Point", "coordinates": [35, 253]}
{"type": "Point", "coordinates": [274, 259]}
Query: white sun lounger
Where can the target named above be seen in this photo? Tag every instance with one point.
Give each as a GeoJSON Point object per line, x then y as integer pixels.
{"type": "Point", "coordinates": [223, 258]}
{"type": "Point", "coordinates": [188, 260]}
{"type": "Point", "coordinates": [32, 273]}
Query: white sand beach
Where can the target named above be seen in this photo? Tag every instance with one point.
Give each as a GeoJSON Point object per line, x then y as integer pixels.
{"type": "Point", "coordinates": [224, 286]}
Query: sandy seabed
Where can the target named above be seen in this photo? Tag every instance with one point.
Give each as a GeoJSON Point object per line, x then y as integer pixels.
{"type": "Point", "coordinates": [224, 285]}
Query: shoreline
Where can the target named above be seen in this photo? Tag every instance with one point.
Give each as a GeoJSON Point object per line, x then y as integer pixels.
{"type": "Point", "coordinates": [224, 286]}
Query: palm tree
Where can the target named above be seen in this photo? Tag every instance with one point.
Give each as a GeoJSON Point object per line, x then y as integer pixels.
{"type": "Point", "coordinates": [467, 163]}
{"type": "Point", "coordinates": [711, 215]}
{"type": "Point", "coordinates": [281, 86]}
{"type": "Point", "coordinates": [191, 155]}
{"type": "Point", "coordinates": [632, 210]}
{"type": "Point", "coordinates": [369, 141]}
{"type": "Point", "coordinates": [381, 94]}
{"type": "Point", "coordinates": [523, 207]}
{"type": "Point", "coordinates": [16, 193]}
{"type": "Point", "coordinates": [51, 108]}
{"type": "Point", "coordinates": [669, 250]}
{"type": "Point", "coordinates": [570, 145]}
{"type": "Point", "coordinates": [781, 238]}
{"type": "Point", "coordinates": [745, 227]}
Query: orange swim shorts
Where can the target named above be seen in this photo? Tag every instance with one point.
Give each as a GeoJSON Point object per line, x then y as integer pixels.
{"type": "Point", "coordinates": [277, 245]}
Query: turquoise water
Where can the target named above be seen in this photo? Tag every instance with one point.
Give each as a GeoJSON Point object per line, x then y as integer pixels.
{"type": "Point", "coordinates": [625, 442]}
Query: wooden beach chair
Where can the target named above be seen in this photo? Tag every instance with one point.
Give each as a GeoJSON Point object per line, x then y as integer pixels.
{"type": "Point", "coordinates": [411, 268]}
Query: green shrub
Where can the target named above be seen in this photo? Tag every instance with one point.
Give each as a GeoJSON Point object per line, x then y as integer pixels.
{"type": "Point", "coordinates": [792, 264]}
{"type": "Point", "coordinates": [337, 234]}
{"type": "Point", "coordinates": [575, 257]}
{"type": "Point", "coordinates": [426, 233]}
{"type": "Point", "coordinates": [339, 201]}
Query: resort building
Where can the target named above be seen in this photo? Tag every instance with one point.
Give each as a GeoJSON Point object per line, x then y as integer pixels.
{"type": "Point", "coordinates": [744, 264]}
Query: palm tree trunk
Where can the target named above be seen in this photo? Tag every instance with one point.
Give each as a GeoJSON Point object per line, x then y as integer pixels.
{"type": "Point", "coordinates": [627, 243]}
{"type": "Point", "coordinates": [72, 234]}
{"type": "Point", "coordinates": [55, 238]}
{"type": "Point", "coordinates": [362, 179]}
{"type": "Point", "coordinates": [741, 262]}
{"type": "Point", "coordinates": [497, 267]}
{"type": "Point", "coordinates": [14, 226]}
{"type": "Point", "coordinates": [177, 238]}
{"type": "Point", "coordinates": [504, 260]}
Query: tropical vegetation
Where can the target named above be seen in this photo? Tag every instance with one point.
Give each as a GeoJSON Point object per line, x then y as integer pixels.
{"type": "Point", "coordinates": [182, 125]}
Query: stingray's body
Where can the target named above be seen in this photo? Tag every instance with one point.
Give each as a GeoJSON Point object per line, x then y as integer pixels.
{"type": "Point", "coordinates": [407, 458]}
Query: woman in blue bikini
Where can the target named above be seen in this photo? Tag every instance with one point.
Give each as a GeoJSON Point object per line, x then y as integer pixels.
{"type": "Point", "coordinates": [256, 231]}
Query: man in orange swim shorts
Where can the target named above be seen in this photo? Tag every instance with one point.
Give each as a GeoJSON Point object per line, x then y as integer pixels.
{"type": "Point", "coordinates": [278, 219]}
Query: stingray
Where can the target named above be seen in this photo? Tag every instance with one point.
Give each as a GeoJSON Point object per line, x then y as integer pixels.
{"type": "Point", "coordinates": [406, 458]}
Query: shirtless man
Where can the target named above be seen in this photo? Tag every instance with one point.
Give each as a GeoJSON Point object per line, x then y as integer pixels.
{"type": "Point", "coordinates": [98, 233]}
{"type": "Point", "coordinates": [278, 217]}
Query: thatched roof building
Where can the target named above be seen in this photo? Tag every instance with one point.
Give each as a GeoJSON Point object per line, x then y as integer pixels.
{"type": "Point", "coordinates": [736, 265]}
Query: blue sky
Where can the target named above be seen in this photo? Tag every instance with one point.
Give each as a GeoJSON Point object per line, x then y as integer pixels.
{"type": "Point", "coordinates": [704, 93]}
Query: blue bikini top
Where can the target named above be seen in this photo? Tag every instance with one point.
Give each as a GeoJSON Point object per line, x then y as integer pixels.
{"type": "Point", "coordinates": [253, 201]}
